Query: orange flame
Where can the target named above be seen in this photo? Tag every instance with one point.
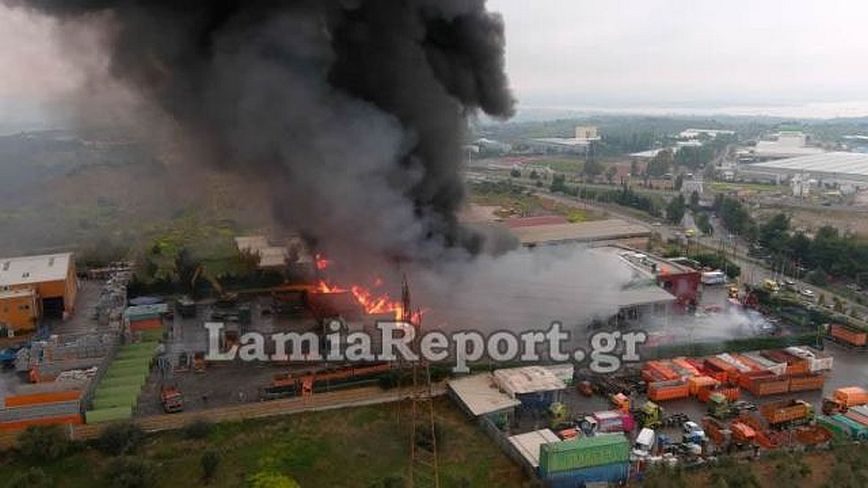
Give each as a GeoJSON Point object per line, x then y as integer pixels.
{"type": "Point", "coordinates": [371, 303]}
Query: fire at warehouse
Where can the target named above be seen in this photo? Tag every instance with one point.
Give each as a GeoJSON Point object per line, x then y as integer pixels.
{"type": "Point", "coordinates": [321, 237]}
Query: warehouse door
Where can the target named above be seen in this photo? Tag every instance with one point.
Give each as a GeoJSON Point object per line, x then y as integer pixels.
{"type": "Point", "coordinates": [52, 308]}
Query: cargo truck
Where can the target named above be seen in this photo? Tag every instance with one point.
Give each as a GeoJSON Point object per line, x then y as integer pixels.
{"type": "Point", "coordinates": [845, 398]}
{"type": "Point", "coordinates": [651, 416]}
{"type": "Point", "coordinates": [784, 414]}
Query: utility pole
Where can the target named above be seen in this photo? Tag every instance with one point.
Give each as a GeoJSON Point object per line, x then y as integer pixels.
{"type": "Point", "coordinates": [424, 470]}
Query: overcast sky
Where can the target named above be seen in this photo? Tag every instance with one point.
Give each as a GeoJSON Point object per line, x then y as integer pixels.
{"type": "Point", "coordinates": [593, 53]}
{"type": "Point", "coordinates": [666, 52]}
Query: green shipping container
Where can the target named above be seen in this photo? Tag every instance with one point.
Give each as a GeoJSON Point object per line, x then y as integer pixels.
{"type": "Point", "coordinates": [583, 452]}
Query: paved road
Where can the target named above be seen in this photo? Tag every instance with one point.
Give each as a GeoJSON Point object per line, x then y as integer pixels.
{"type": "Point", "coordinates": [752, 270]}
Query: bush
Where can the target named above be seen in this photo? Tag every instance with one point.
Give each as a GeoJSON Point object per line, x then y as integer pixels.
{"type": "Point", "coordinates": [32, 478]}
{"type": "Point", "coordinates": [121, 438]}
{"type": "Point", "coordinates": [198, 429]}
{"type": "Point", "coordinates": [210, 460]}
{"type": "Point", "coordinates": [127, 472]}
{"type": "Point", "coordinates": [44, 443]}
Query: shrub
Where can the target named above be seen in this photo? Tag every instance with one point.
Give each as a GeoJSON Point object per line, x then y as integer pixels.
{"type": "Point", "coordinates": [123, 438]}
{"type": "Point", "coordinates": [44, 443]}
{"type": "Point", "coordinates": [198, 429]}
{"type": "Point", "coordinates": [210, 460]}
{"type": "Point", "coordinates": [32, 478]}
{"type": "Point", "coordinates": [127, 472]}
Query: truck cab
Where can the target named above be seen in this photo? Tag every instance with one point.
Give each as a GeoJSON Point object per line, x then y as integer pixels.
{"type": "Point", "coordinates": [644, 443]}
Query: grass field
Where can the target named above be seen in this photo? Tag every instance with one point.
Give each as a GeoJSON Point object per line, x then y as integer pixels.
{"type": "Point", "coordinates": [758, 187]}
{"type": "Point", "coordinates": [355, 447]}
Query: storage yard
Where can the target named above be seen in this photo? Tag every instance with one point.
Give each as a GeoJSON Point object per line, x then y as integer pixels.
{"type": "Point", "coordinates": [142, 359]}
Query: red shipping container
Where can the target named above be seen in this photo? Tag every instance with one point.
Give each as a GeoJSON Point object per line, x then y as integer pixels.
{"type": "Point", "coordinates": [147, 324]}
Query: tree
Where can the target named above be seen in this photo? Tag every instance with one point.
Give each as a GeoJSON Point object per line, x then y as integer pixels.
{"type": "Point", "coordinates": [119, 439]}
{"type": "Point", "coordinates": [611, 172]}
{"type": "Point", "coordinates": [210, 460]}
{"type": "Point", "coordinates": [790, 470]}
{"type": "Point", "coordinates": [694, 200]}
{"type": "Point", "coordinates": [675, 210]}
{"type": "Point", "coordinates": [534, 175]}
{"type": "Point", "coordinates": [662, 475]}
{"type": "Point", "coordinates": [703, 223]}
{"type": "Point", "coordinates": [634, 168]}
{"type": "Point", "coordinates": [728, 474]}
{"type": "Point", "coordinates": [271, 479]}
{"type": "Point", "coordinates": [660, 163]}
{"type": "Point", "coordinates": [515, 173]}
{"type": "Point", "coordinates": [45, 442]}
{"type": "Point", "coordinates": [679, 182]}
{"type": "Point", "coordinates": [129, 472]}
{"type": "Point", "coordinates": [592, 168]}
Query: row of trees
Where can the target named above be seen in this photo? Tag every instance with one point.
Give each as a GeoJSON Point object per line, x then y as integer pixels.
{"type": "Point", "coordinates": [624, 196]}
{"type": "Point", "coordinates": [828, 253]}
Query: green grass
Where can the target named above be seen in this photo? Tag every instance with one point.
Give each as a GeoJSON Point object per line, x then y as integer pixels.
{"type": "Point", "coordinates": [356, 447]}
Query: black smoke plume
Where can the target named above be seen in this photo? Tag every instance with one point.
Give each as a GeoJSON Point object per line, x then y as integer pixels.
{"type": "Point", "coordinates": [354, 111]}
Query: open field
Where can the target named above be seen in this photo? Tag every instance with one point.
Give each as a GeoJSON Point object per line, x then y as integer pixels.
{"type": "Point", "coordinates": [355, 447]}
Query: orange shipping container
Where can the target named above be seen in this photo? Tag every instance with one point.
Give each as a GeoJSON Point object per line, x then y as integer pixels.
{"type": "Point", "coordinates": [23, 424]}
{"type": "Point", "coordinates": [846, 334]}
{"type": "Point", "coordinates": [667, 391]}
{"type": "Point", "coordinates": [769, 387]}
{"type": "Point", "coordinates": [715, 364]}
{"type": "Point", "coordinates": [851, 396]}
{"type": "Point", "coordinates": [38, 398]}
{"type": "Point", "coordinates": [750, 363]}
{"type": "Point", "coordinates": [662, 369]}
{"type": "Point", "coordinates": [747, 379]}
{"type": "Point", "coordinates": [697, 382]}
{"type": "Point", "coordinates": [807, 382]}
{"type": "Point", "coordinates": [686, 366]}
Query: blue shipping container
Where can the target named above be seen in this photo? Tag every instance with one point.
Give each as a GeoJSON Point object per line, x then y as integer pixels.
{"type": "Point", "coordinates": [610, 473]}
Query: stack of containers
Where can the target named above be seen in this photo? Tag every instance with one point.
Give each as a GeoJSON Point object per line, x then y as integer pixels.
{"type": "Point", "coordinates": [763, 383]}
{"type": "Point", "coordinates": [658, 371]}
{"type": "Point", "coordinates": [668, 390]}
{"type": "Point", "coordinates": [766, 363]}
{"type": "Point", "coordinates": [576, 462]}
{"type": "Point", "coordinates": [117, 393]}
{"type": "Point", "coordinates": [795, 364]}
{"type": "Point", "coordinates": [701, 382]}
{"type": "Point", "coordinates": [721, 370]}
{"type": "Point", "coordinates": [44, 408]}
{"type": "Point", "coordinates": [685, 367]}
{"type": "Point", "coordinates": [818, 365]}
{"type": "Point", "coordinates": [146, 317]}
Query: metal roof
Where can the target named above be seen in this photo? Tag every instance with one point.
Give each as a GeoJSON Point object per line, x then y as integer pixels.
{"type": "Point", "coordinates": [527, 379]}
{"type": "Point", "coordinates": [527, 444]}
{"type": "Point", "coordinates": [594, 230]}
{"type": "Point", "coordinates": [480, 395]}
{"type": "Point", "coordinates": [34, 269]}
{"type": "Point", "coordinates": [840, 163]}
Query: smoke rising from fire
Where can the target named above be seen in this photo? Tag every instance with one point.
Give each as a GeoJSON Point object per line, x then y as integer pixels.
{"type": "Point", "coordinates": [353, 112]}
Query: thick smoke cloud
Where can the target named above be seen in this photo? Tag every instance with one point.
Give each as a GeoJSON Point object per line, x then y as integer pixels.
{"type": "Point", "coordinates": [354, 112]}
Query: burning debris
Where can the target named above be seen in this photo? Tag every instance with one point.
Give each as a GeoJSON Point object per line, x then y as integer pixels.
{"type": "Point", "coordinates": [353, 113]}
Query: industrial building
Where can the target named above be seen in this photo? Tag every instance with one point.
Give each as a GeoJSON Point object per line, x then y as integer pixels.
{"type": "Point", "coordinates": [786, 144]}
{"type": "Point", "coordinates": [36, 286]}
{"type": "Point", "coordinates": [842, 168]}
{"type": "Point", "coordinates": [596, 232]}
{"type": "Point", "coordinates": [269, 256]}
{"type": "Point", "coordinates": [584, 136]}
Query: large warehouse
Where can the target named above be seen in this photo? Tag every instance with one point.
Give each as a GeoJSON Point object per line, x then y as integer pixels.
{"type": "Point", "coordinates": [831, 167]}
{"type": "Point", "coordinates": [46, 283]}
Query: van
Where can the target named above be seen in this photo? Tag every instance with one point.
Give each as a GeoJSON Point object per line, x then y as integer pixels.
{"type": "Point", "coordinates": [644, 442]}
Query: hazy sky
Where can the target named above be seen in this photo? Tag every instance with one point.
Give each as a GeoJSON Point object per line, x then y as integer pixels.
{"type": "Point", "coordinates": [592, 53]}
{"type": "Point", "coordinates": [612, 52]}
